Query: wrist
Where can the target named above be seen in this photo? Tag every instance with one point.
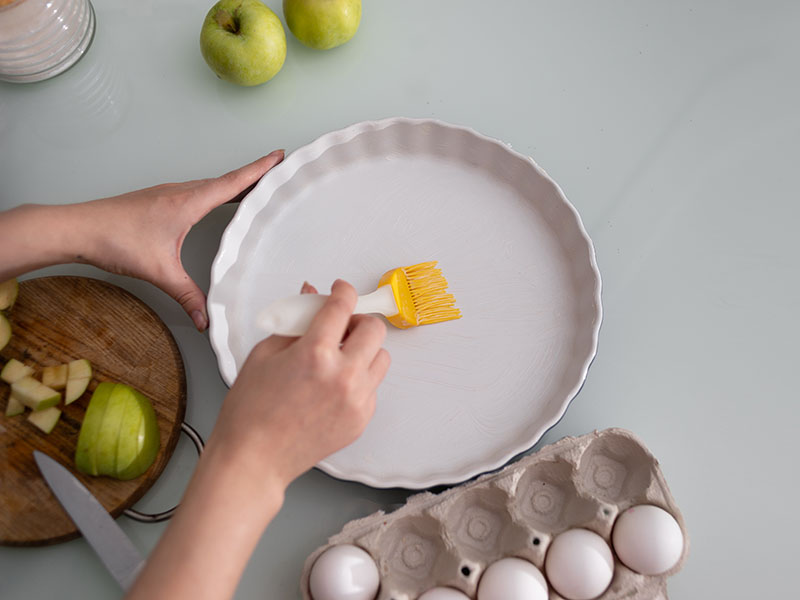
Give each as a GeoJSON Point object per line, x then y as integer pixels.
{"type": "Point", "coordinates": [253, 471]}
{"type": "Point", "coordinates": [40, 235]}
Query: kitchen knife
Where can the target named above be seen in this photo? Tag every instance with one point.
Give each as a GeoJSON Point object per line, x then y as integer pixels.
{"type": "Point", "coordinates": [114, 548]}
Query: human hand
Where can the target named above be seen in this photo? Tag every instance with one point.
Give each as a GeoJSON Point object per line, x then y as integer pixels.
{"type": "Point", "coordinates": [150, 225]}
{"type": "Point", "coordinates": [297, 400]}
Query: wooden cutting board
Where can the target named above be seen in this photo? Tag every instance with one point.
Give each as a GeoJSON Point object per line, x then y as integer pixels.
{"type": "Point", "coordinates": [55, 320]}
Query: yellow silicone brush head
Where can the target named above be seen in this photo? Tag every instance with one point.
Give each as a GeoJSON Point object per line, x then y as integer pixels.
{"type": "Point", "coordinates": [420, 292]}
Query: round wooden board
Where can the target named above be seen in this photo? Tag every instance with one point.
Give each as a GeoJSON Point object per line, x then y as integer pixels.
{"type": "Point", "coordinates": [55, 320]}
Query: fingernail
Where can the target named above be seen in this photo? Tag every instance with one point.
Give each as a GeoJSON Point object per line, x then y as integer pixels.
{"type": "Point", "coordinates": [277, 152]}
{"type": "Point", "coordinates": [199, 320]}
{"type": "Point", "coordinates": [306, 288]}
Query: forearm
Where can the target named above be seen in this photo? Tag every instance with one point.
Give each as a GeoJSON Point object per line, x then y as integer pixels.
{"type": "Point", "coordinates": [33, 236]}
{"type": "Point", "coordinates": [207, 545]}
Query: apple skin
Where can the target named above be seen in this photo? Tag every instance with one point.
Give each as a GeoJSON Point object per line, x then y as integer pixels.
{"type": "Point", "coordinates": [135, 458]}
{"type": "Point", "coordinates": [119, 436]}
{"type": "Point", "coordinates": [85, 457]}
{"type": "Point", "coordinates": [243, 42]}
{"type": "Point", "coordinates": [79, 374]}
{"type": "Point", "coordinates": [322, 24]}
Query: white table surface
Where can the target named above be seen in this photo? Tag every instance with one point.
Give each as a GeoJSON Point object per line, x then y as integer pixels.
{"type": "Point", "coordinates": [673, 128]}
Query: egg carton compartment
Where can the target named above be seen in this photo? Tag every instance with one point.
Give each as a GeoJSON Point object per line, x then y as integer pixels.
{"type": "Point", "coordinates": [450, 539]}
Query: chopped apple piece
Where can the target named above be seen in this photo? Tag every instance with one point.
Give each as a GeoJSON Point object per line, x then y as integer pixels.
{"type": "Point", "coordinates": [5, 331]}
{"type": "Point", "coordinates": [14, 406]}
{"type": "Point", "coordinates": [80, 374]}
{"type": "Point", "coordinates": [78, 369]}
{"type": "Point", "coordinates": [55, 377]}
{"type": "Point", "coordinates": [34, 394]}
{"type": "Point", "coordinates": [14, 371]}
{"type": "Point", "coordinates": [75, 389]}
{"type": "Point", "coordinates": [8, 293]}
{"type": "Point", "coordinates": [45, 419]}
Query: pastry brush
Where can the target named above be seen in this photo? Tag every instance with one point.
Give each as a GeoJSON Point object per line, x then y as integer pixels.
{"type": "Point", "coordinates": [406, 296]}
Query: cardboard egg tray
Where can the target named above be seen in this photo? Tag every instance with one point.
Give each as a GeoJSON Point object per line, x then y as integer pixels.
{"type": "Point", "coordinates": [449, 539]}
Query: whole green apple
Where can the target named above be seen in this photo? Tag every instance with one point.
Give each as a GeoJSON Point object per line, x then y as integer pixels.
{"type": "Point", "coordinates": [243, 41]}
{"type": "Point", "coordinates": [322, 24]}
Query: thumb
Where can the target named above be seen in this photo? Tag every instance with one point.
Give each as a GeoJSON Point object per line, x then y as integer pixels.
{"type": "Point", "coordinates": [235, 185]}
{"type": "Point", "coordinates": [189, 295]}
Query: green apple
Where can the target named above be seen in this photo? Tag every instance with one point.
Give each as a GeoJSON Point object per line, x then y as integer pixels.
{"type": "Point", "coordinates": [243, 41]}
{"type": "Point", "coordinates": [34, 394]}
{"type": "Point", "coordinates": [55, 376]}
{"type": "Point", "coordinates": [8, 293]}
{"type": "Point", "coordinates": [5, 331]}
{"type": "Point", "coordinates": [45, 419]}
{"type": "Point", "coordinates": [322, 24]}
{"type": "Point", "coordinates": [140, 439]}
{"type": "Point", "coordinates": [90, 428]}
{"type": "Point", "coordinates": [119, 436]}
{"type": "Point", "coordinates": [14, 371]}
{"type": "Point", "coordinates": [105, 445]}
{"type": "Point", "coordinates": [78, 378]}
{"type": "Point", "coordinates": [14, 406]}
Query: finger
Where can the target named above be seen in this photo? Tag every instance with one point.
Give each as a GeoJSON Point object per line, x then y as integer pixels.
{"type": "Point", "coordinates": [193, 300]}
{"type": "Point", "coordinates": [380, 366]}
{"type": "Point", "coordinates": [330, 323]}
{"type": "Point", "coordinates": [308, 288]}
{"type": "Point", "coordinates": [235, 185]}
{"type": "Point", "coordinates": [365, 338]}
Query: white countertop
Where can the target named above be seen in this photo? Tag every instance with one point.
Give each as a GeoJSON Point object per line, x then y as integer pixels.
{"type": "Point", "coordinates": [673, 129]}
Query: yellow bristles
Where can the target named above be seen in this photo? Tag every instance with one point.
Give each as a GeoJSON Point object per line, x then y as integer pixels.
{"type": "Point", "coordinates": [420, 293]}
{"type": "Point", "coordinates": [432, 303]}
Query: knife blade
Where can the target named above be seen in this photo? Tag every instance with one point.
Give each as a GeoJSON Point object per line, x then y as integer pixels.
{"type": "Point", "coordinates": [113, 547]}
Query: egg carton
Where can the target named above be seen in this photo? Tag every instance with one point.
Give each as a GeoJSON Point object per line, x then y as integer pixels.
{"type": "Point", "coordinates": [449, 539]}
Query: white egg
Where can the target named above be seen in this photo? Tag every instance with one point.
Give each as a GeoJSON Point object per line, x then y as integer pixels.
{"type": "Point", "coordinates": [443, 593]}
{"type": "Point", "coordinates": [344, 572]}
{"type": "Point", "coordinates": [512, 579]}
{"type": "Point", "coordinates": [648, 539]}
{"type": "Point", "coordinates": [579, 564]}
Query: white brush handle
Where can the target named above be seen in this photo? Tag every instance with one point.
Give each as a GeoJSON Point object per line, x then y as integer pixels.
{"type": "Point", "coordinates": [292, 316]}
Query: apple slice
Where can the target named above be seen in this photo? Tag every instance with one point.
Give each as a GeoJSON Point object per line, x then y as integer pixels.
{"type": "Point", "coordinates": [75, 389]}
{"type": "Point", "coordinates": [55, 377]}
{"type": "Point", "coordinates": [80, 374]}
{"type": "Point", "coordinates": [45, 419]}
{"type": "Point", "coordinates": [14, 371]}
{"type": "Point", "coordinates": [34, 394]}
{"type": "Point", "coordinates": [14, 406]}
{"type": "Point", "coordinates": [108, 437]}
{"type": "Point", "coordinates": [78, 369]}
{"type": "Point", "coordinates": [128, 445]}
{"type": "Point", "coordinates": [142, 439]}
{"type": "Point", "coordinates": [8, 293]}
{"type": "Point", "coordinates": [119, 435]}
{"type": "Point", "coordinates": [5, 331]}
{"type": "Point", "coordinates": [85, 458]}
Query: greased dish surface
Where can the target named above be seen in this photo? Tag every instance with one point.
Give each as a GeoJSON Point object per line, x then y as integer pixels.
{"type": "Point", "coordinates": [462, 397]}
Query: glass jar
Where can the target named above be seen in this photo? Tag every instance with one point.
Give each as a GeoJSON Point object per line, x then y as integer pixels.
{"type": "Point", "coordinates": [42, 38]}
